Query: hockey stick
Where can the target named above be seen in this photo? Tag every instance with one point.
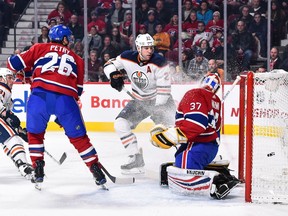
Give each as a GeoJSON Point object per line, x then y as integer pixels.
{"type": "Point", "coordinates": [61, 160]}
{"type": "Point", "coordinates": [129, 93]}
{"type": "Point", "coordinates": [231, 88]}
{"type": "Point", "coordinates": [23, 134]}
{"type": "Point", "coordinates": [118, 180]}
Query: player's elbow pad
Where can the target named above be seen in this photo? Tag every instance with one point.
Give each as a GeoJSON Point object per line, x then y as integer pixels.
{"type": "Point", "coordinates": [167, 138]}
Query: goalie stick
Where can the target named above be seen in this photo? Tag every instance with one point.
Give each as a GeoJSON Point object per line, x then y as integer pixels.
{"type": "Point", "coordinates": [231, 88]}
{"type": "Point", "coordinates": [118, 180]}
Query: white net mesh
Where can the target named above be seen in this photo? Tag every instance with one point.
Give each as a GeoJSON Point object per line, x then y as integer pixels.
{"type": "Point", "coordinates": [270, 138]}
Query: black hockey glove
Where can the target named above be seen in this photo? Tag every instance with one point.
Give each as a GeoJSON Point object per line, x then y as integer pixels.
{"type": "Point", "coordinates": [12, 119]}
{"type": "Point", "coordinates": [23, 134]}
{"type": "Point", "coordinates": [116, 80]}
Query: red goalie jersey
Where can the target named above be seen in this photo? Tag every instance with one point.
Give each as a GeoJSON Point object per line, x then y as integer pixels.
{"type": "Point", "coordinates": [198, 115]}
{"type": "Point", "coordinates": [55, 68]}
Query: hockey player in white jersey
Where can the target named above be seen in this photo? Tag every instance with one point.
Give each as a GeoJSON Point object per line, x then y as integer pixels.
{"type": "Point", "coordinates": [10, 129]}
{"type": "Point", "coordinates": [151, 89]}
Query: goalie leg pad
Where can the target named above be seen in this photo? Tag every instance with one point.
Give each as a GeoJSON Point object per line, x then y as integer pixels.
{"type": "Point", "coordinates": [190, 181]}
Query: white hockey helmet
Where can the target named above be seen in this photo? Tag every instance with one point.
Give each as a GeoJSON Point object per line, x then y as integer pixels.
{"type": "Point", "coordinates": [143, 40]}
{"type": "Point", "coordinates": [4, 72]}
{"type": "Point", "coordinates": [211, 82]}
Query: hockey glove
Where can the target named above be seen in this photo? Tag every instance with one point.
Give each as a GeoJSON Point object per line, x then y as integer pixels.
{"type": "Point", "coordinates": [23, 134]}
{"type": "Point", "coordinates": [12, 119]}
{"type": "Point", "coordinates": [116, 80]}
{"type": "Point", "coordinates": [165, 138]}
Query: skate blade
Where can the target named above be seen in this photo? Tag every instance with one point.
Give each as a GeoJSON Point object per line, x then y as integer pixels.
{"type": "Point", "coordinates": [38, 186]}
{"type": "Point", "coordinates": [104, 187]}
{"type": "Point", "coordinates": [137, 170]}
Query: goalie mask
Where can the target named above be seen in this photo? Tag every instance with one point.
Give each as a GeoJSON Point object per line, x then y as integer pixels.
{"type": "Point", "coordinates": [211, 82]}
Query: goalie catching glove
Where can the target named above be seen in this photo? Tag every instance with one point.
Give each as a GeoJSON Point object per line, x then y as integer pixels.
{"type": "Point", "coordinates": [116, 80]}
{"type": "Point", "coordinates": [165, 138]}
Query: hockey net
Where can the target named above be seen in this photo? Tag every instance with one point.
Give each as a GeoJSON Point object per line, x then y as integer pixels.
{"type": "Point", "coordinates": [263, 136]}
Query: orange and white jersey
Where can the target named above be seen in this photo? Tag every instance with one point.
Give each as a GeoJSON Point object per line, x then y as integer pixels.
{"type": "Point", "coordinates": [149, 80]}
{"type": "Point", "coordinates": [6, 102]}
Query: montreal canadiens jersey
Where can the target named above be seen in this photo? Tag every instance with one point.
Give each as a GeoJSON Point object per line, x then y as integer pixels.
{"type": "Point", "coordinates": [55, 68]}
{"type": "Point", "coordinates": [198, 115]}
{"type": "Point", "coordinates": [6, 102]}
{"type": "Point", "coordinates": [149, 80]}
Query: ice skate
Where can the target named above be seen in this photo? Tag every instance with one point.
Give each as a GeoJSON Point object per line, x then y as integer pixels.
{"type": "Point", "coordinates": [38, 176]}
{"type": "Point", "coordinates": [25, 169]}
{"type": "Point", "coordinates": [99, 176]}
{"type": "Point", "coordinates": [135, 164]}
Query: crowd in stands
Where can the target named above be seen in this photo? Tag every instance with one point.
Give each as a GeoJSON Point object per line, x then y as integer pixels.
{"type": "Point", "coordinates": [110, 32]}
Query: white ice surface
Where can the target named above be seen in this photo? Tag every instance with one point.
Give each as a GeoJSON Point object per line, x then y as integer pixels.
{"type": "Point", "coordinates": [69, 189]}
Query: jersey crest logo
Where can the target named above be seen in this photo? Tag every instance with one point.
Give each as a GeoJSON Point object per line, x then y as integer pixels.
{"type": "Point", "coordinates": [149, 70]}
{"type": "Point", "coordinates": [140, 79]}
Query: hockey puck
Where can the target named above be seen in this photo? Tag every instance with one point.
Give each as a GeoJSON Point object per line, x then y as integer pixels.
{"type": "Point", "coordinates": [271, 154]}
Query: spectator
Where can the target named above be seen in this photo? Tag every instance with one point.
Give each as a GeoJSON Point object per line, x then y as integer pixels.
{"type": "Point", "coordinates": [258, 28]}
{"type": "Point", "coordinates": [202, 34]}
{"type": "Point", "coordinates": [116, 39]}
{"type": "Point", "coordinates": [244, 16]}
{"type": "Point", "coordinates": [219, 53]}
{"type": "Point", "coordinates": [151, 22]}
{"type": "Point", "coordinates": [186, 58]}
{"type": "Point", "coordinates": [278, 18]}
{"type": "Point", "coordinates": [242, 43]}
{"type": "Point", "coordinates": [205, 48]}
{"type": "Point", "coordinates": [116, 15]}
{"type": "Point", "coordinates": [186, 10]}
{"type": "Point", "coordinates": [60, 11]}
{"type": "Point", "coordinates": [275, 60]}
{"type": "Point", "coordinates": [204, 13]}
{"type": "Point", "coordinates": [78, 48]}
{"type": "Point", "coordinates": [216, 24]}
{"type": "Point", "coordinates": [125, 30]}
{"type": "Point", "coordinates": [142, 12]}
{"type": "Point", "coordinates": [142, 29]}
{"type": "Point", "coordinates": [191, 25]}
{"type": "Point", "coordinates": [197, 67]}
{"type": "Point", "coordinates": [172, 28]}
{"type": "Point", "coordinates": [76, 28]}
{"type": "Point", "coordinates": [108, 48]}
{"type": "Point", "coordinates": [261, 69]}
{"type": "Point", "coordinates": [74, 6]}
{"type": "Point", "coordinates": [258, 6]}
{"type": "Point", "coordinates": [43, 38]}
{"type": "Point", "coordinates": [93, 66]}
{"type": "Point", "coordinates": [161, 40]}
{"type": "Point", "coordinates": [213, 68]}
{"type": "Point", "coordinates": [161, 13]}
{"type": "Point", "coordinates": [94, 39]}
{"type": "Point", "coordinates": [98, 23]}
{"type": "Point", "coordinates": [52, 22]}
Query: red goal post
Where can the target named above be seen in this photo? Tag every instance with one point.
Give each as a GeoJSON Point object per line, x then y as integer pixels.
{"type": "Point", "coordinates": [263, 136]}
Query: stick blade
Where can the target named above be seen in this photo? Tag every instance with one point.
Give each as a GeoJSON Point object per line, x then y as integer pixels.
{"type": "Point", "coordinates": [63, 158]}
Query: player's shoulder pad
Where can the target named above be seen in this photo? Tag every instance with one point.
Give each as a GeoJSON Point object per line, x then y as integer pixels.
{"type": "Point", "coordinates": [130, 55]}
{"type": "Point", "coordinates": [158, 60]}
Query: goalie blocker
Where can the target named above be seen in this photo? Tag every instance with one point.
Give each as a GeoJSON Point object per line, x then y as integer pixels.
{"type": "Point", "coordinates": [215, 180]}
